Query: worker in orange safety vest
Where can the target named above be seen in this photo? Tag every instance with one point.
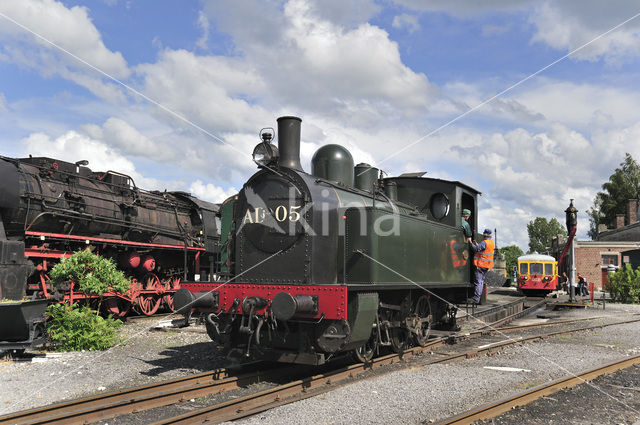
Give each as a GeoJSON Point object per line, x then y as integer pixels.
{"type": "Point", "coordinates": [459, 253]}
{"type": "Point", "coordinates": [483, 262]}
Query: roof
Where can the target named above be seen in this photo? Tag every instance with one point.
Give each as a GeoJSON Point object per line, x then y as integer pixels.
{"type": "Point", "coordinates": [409, 176]}
{"type": "Point", "coordinates": [536, 257]}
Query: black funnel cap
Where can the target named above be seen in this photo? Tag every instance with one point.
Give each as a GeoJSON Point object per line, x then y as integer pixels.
{"type": "Point", "coordinates": [289, 142]}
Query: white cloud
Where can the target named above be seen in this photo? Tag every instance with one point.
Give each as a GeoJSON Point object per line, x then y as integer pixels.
{"type": "Point", "coordinates": [569, 25]}
{"type": "Point", "coordinates": [321, 66]}
{"type": "Point", "coordinates": [73, 146]}
{"type": "Point", "coordinates": [524, 175]}
{"type": "Point", "coordinates": [210, 192]}
{"type": "Point", "coordinates": [577, 105]}
{"type": "Point", "coordinates": [410, 22]}
{"type": "Point", "coordinates": [203, 24]}
{"type": "Point", "coordinates": [127, 139]}
{"type": "Point", "coordinates": [346, 79]}
{"type": "Point", "coordinates": [214, 92]}
{"type": "Point", "coordinates": [70, 29]}
{"type": "Point", "coordinates": [563, 25]}
{"type": "Point", "coordinates": [345, 13]}
{"type": "Point", "coordinates": [178, 149]}
{"type": "Point", "coordinates": [465, 8]}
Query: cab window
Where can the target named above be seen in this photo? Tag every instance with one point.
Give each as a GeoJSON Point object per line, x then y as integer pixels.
{"type": "Point", "coordinates": [536, 268]}
{"type": "Point", "coordinates": [524, 268]}
{"type": "Point", "coordinates": [548, 269]}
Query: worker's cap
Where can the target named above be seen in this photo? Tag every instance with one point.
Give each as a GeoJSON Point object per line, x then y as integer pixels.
{"type": "Point", "coordinates": [487, 232]}
{"type": "Point", "coordinates": [466, 212]}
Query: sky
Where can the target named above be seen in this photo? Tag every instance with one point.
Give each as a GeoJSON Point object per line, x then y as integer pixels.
{"type": "Point", "coordinates": [533, 103]}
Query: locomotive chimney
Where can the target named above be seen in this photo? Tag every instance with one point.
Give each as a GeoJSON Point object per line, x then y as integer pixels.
{"type": "Point", "coordinates": [289, 142]}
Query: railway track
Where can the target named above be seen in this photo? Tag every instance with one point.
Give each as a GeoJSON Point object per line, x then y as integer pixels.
{"type": "Point", "coordinates": [316, 385]}
{"type": "Point", "coordinates": [103, 406]}
{"type": "Point", "coordinates": [491, 410]}
{"type": "Point", "coordinates": [132, 400]}
{"type": "Point", "coordinates": [161, 394]}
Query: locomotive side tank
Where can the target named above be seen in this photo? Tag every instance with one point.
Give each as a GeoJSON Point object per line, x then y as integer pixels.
{"type": "Point", "coordinates": [336, 261]}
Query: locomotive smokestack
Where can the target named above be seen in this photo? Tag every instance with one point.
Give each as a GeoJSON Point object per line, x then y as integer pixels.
{"type": "Point", "coordinates": [289, 142]}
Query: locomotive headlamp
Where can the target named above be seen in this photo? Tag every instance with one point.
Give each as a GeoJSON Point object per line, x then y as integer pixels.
{"type": "Point", "coordinates": [265, 154]}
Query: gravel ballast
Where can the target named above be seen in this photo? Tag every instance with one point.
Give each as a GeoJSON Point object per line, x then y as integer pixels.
{"type": "Point", "coordinates": [147, 355]}
{"type": "Point", "coordinates": [425, 394]}
{"type": "Point", "coordinates": [419, 394]}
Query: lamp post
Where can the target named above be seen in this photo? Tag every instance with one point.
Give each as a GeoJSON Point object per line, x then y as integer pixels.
{"type": "Point", "coordinates": [572, 221]}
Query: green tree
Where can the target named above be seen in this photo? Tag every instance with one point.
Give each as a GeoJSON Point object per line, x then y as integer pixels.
{"type": "Point", "coordinates": [623, 184]}
{"type": "Point", "coordinates": [511, 254]}
{"type": "Point", "coordinates": [541, 233]}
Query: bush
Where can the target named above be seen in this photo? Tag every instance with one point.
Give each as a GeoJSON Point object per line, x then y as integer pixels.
{"type": "Point", "coordinates": [624, 285]}
{"type": "Point", "coordinates": [73, 328]}
{"type": "Point", "coordinates": [91, 273]}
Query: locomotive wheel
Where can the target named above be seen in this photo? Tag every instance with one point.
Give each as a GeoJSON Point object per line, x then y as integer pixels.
{"type": "Point", "coordinates": [399, 339]}
{"type": "Point", "coordinates": [365, 353]}
{"type": "Point", "coordinates": [174, 283]}
{"type": "Point", "coordinates": [167, 301]}
{"type": "Point", "coordinates": [148, 304]}
{"type": "Point", "coordinates": [401, 336]}
{"type": "Point", "coordinates": [151, 282]}
{"type": "Point", "coordinates": [422, 310]}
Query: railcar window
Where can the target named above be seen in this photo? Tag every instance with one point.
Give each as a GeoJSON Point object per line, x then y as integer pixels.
{"type": "Point", "coordinates": [524, 268]}
{"type": "Point", "coordinates": [548, 269]}
{"type": "Point", "coordinates": [536, 268]}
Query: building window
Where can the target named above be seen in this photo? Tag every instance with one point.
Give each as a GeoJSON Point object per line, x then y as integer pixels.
{"type": "Point", "coordinates": [608, 259]}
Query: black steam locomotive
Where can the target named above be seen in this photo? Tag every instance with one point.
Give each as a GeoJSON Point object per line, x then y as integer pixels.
{"type": "Point", "coordinates": [51, 208]}
{"type": "Point", "coordinates": [334, 261]}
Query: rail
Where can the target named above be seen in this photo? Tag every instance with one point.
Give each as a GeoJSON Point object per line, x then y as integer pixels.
{"type": "Point", "coordinates": [132, 400]}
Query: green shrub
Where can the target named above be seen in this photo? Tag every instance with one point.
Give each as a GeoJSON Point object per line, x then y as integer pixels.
{"type": "Point", "coordinates": [74, 328]}
{"type": "Point", "coordinates": [624, 285]}
{"type": "Point", "coordinates": [91, 273]}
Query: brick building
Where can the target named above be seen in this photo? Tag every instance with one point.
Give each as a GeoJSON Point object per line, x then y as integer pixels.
{"type": "Point", "coordinates": [612, 247]}
{"type": "Point", "coordinates": [594, 257]}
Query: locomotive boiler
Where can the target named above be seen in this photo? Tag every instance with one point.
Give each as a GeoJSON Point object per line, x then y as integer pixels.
{"type": "Point", "coordinates": [338, 260]}
{"type": "Point", "coordinates": [158, 238]}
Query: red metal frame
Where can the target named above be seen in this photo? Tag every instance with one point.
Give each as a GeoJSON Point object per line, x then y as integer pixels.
{"type": "Point", "coordinates": [46, 253]}
{"type": "Point", "coordinates": [332, 299]}
{"type": "Point", "coordinates": [164, 290]}
{"type": "Point", "coordinates": [113, 241]}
